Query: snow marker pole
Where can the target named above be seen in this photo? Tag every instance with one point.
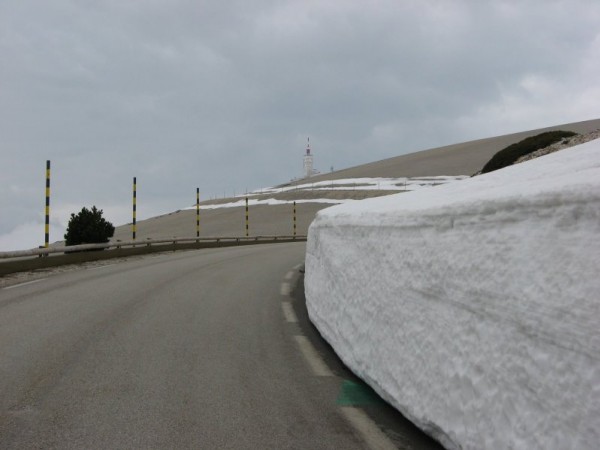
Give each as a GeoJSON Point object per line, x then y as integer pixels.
{"type": "Point", "coordinates": [246, 216]}
{"type": "Point", "coordinates": [47, 214]}
{"type": "Point", "coordinates": [133, 230]}
{"type": "Point", "coordinates": [197, 212]}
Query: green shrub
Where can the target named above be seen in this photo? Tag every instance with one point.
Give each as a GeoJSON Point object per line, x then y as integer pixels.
{"type": "Point", "coordinates": [510, 154]}
{"type": "Point", "coordinates": [88, 227]}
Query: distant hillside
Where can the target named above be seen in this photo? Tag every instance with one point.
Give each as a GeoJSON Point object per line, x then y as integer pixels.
{"type": "Point", "coordinates": [458, 159]}
{"type": "Point", "coordinates": [465, 158]}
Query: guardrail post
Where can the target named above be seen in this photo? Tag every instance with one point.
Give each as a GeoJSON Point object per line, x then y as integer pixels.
{"type": "Point", "coordinates": [47, 218]}
{"type": "Point", "coordinates": [133, 230]}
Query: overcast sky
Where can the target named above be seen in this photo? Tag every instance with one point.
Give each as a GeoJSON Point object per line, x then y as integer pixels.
{"type": "Point", "coordinates": [222, 95]}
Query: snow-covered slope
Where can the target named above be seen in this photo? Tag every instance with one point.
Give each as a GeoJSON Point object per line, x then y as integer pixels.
{"type": "Point", "coordinates": [473, 307]}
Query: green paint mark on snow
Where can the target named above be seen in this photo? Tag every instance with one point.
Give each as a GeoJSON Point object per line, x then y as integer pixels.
{"type": "Point", "coordinates": [352, 394]}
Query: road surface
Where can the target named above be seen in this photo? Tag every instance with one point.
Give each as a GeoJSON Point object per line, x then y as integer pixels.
{"type": "Point", "coordinates": [195, 349]}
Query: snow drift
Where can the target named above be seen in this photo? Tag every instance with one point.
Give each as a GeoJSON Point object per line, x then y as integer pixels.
{"type": "Point", "coordinates": [473, 307]}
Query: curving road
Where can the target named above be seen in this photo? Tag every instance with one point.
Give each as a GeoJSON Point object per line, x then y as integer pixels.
{"type": "Point", "coordinates": [198, 349]}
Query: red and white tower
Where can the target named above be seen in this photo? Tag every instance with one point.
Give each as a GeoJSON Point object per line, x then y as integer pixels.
{"type": "Point", "coordinates": [308, 162]}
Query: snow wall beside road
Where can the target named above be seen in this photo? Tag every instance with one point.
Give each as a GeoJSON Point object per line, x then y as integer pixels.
{"type": "Point", "coordinates": [473, 307]}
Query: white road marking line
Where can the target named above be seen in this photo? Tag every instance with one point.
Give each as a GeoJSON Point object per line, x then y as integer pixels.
{"type": "Point", "coordinates": [289, 275]}
{"type": "Point", "coordinates": [288, 312]}
{"type": "Point", "coordinates": [285, 289]}
{"type": "Point", "coordinates": [313, 359]}
{"type": "Point", "coordinates": [24, 284]}
{"type": "Point", "coordinates": [369, 431]}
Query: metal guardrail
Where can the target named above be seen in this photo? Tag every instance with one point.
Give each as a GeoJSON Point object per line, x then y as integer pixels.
{"type": "Point", "coordinates": [39, 258]}
{"type": "Point", "coordinates": [141, 243]}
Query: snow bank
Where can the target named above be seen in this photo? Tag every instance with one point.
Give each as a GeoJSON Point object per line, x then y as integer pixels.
{"type": "Point", "coordinates": [473, 307]}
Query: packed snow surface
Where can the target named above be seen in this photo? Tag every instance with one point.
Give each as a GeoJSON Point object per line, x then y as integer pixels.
{"type": "Point", "coordinates": [473, 307]}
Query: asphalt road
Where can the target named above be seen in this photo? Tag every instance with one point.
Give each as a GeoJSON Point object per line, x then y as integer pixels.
{"type": "Point", "coordinates": [183, 350]}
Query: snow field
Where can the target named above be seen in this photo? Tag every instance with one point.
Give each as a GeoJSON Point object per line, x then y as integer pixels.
{"type": "Point", "coordinates": [346, 184]}
{"type": "Point", "coordinates": [391, 184]}
{"type": "Point", "coordinates": [269, 201]}
{"type": "Point", "coordinates": [473, 307]}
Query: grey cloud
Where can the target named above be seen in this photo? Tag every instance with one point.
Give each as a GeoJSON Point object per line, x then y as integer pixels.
{"type": "Point", "coordinates": [222, 95]}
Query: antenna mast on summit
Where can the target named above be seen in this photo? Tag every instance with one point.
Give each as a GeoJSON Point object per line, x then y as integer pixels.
{"type": "Point", "coordinates": [308, 161]}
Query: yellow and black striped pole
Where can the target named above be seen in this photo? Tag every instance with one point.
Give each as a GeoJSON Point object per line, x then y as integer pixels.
{"type": "Point", "coordinates": [246, 216]}
{"type": "Point", "coordinates": [197, 212]}
{"type": "Point", "coordinates": [47, 221]}
{"type": "Point", "coordinates": [134, 206]}
{"type": "Point", "coordinates": [294, 220]}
